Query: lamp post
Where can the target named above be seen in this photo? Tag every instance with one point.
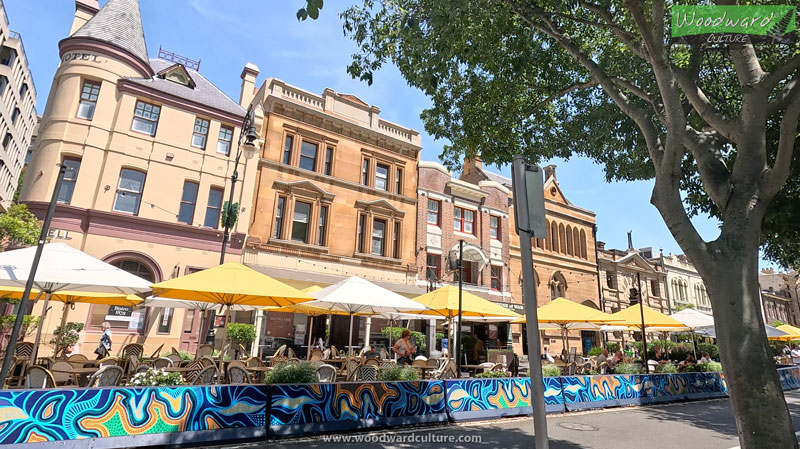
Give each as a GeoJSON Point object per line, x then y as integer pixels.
{"type": "Point", "coordinates": [247, 145]}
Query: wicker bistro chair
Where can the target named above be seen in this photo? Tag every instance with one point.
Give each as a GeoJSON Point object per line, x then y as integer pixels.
{"type": "Point", "coordinates": [326, 373]}
{"type": "Point", "coordinates": [243, 354]}
{"type": "Point", "coordinates": [157, 352]}
{"type": "Point", "coordinates": [498, 367]}
{"type": "Point", "coordinates": [108, 376]}
{"type": "Point", "coordinates": [384, 354]}
{"type": "Point", "coordinates": [326, 354]}
{"type": "Point", "coordinates": [369, 373]}
{"type": "Point", "coordinates": [24, 350]}
{"type": "Point", "coordinates": [206, 376]}
{"type": "Point", "coordinates": [38, 377]}
{"type": "Point", "coordinates": [277, 360]}
{"type": "Point", "coordinates": [253, 362]}
{"type": "Point", "coordinates": [291, 353]}
{"type": "Point", "coordinates": [419, 363]}
{"type": "Point", "coordinates": [237, 375]}
{"type": "Point", "coordinates": [78, 360]}
{"type": "Point", "coordinates": [132, 349]}
{"type": "Point", "coordinates": [204, 351]}
{"type": "Point", "coordinates": [207, 361]}
{"type": "Point", "coordinates": [448, 371]}
{"type": "Point", "coordinates": [194, 368]}
{"type": "Point", "coordinates": [372, 362]}
{"type": "Point", "coordinates": [16, 376]}
{"type": "Point", "coordinates": [62, 378]}
{"type": "Point", "coordinates": [334, 352]}
{"type": "Point", "coordinates": [162, 362]}
{"type": "Point", "coordinates": [280, 351]}
{"type": "Point", "coordinates": [353, 370]}
{"type": "Point", "coordinates": [388, 363]}
{"type": "Point", "coordinates": [174, 358]}
{"type": "Point", "coordinates": [316, 354]}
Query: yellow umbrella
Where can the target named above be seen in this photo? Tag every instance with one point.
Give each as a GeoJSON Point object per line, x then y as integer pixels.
{"type": "Point", "coordinates": [444, 302]}
{"type": "Point", "coordinates": [566, 315]}
{"type": "Point", "coordinates": [231, 284]}
{"type": "Point", "coordinates": [792, 333]}
{"type": "Point", "coordinates": [632, 317]}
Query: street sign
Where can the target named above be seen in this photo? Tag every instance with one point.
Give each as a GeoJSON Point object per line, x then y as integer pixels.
{"type": "Point", "coordinates": [528, 182]}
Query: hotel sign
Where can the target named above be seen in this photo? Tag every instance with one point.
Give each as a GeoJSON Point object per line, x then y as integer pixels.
{"type": "Point", "coordinates": [77, 56]}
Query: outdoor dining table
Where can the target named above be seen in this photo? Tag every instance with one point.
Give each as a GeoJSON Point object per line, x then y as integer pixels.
{"type": "Point", "coordinates": [179, 369]}
{"type": "Point", "coordinates": [79, 372]}
{"type": "Point", "coordinates": [258, 371]}
{"type": "Point", "coordinates": [425, 370]}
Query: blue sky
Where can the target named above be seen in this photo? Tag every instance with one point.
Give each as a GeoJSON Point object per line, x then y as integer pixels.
{"type": "Point", "coordinates": [313, 55]}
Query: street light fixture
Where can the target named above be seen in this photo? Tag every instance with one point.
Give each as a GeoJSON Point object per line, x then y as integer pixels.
{"type": "Point", "coordinates": [248, 138]}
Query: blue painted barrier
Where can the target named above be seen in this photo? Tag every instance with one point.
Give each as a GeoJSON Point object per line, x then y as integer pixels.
{"type": "Point", "coordinates": [499, 397]}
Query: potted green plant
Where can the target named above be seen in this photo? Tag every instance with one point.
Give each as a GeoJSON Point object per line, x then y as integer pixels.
{"type": "Point", "coordinates": [292, 373]}
{"type": "Point", "coordinates": [551, 371]}
{"type": "Point", "coordinates": [156, 378]}
{"type": "Point", "coordinates": [492, 374]}
{"type": "Point", "coordinates": [241, 333]}
{"type": "Point", "coordinates": [63, 339]}
{"type": "Point", "coordinates": [398, 373]}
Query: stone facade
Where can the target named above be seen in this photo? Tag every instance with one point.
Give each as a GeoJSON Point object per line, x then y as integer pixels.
{"type": "Point", "coordinates": [564, 266]}
{"type": "Point", "coordinates": [336, 196]}
{"type": "Point", "coordinates": [148, 168]}
{"type": "Point", "coordinates": [779, 292]}
{"type": "Point", "coordinates": [17, 109]}
{"type": "Point", "coordinates": [685, 287]}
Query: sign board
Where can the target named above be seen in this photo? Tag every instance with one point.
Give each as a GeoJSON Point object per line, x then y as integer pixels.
{"type": "Point", "coordinates": [528, 186]}
{"type": "Point", "coordinates": [299, 334]}
{"type": "Point", "coordinates": [119, 313]}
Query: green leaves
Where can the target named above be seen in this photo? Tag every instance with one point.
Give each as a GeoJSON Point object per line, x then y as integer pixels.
{"type": "Point", "coordinates": [19, 226]}
{"type": "Point", "coordinates": [311, 9]}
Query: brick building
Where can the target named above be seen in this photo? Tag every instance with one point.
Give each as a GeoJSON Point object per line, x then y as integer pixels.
{"type": "Point", "coordinates": [564, 262]}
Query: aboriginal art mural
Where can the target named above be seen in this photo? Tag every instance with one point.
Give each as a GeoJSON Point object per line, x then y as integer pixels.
{"type": "Point", "coordinates": [28, 416]}
{"type": "Point", "coordinates": [484, 398]}
{"type": "Point", "coordinates": [790, 378]}
{"type": "Point", "coordinates": [300, 408]}
{"type": "Point", "coordinates": [582, 392]}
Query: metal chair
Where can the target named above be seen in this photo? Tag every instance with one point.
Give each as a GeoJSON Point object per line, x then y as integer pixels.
{"type": "Point", "coordinates": [243, 354]}
{"type": "Point", "coordinates": [353, 369]}
{"type": "Point", "coordinates": [108, 361]}
{"type": "Point", "coordinates": [38, 377]}
{"type": "Point", "coordinates": [132, 349]}
{"type": "Point", "coordinates": [372, 362]}
{"type": "Point", "coordinates": [237, 375]}
{"type": "Point", "coordinates": [369, 373]}
{"type": "Point", "coordinates": [326, 373]}
{"type": "Point", "coordinates": [253, 362]}
{"type": "Point", "coordinates": [204, 351]}
{"type": "Point", "coordinates": [62, 378]}
{"type": "Point", "coordinates": [174, 358]}
{"type": "Point", "coordinates": [316, 354]}
{"type": "Point", "coordinates": [277, 360]}
{"type": "Point", "coordinates": [205, 376]}
{"type": "Point", "coordinates": [108, 376]}
{"type": "Point", "coordinates": [157, 352]}
{"type": "Point", "coordinates": [207, 361]}
{"type": "Point", "coordinates": [162, 362]}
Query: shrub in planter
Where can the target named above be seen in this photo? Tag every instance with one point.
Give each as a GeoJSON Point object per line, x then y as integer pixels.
{"type": "Point", "coordinates": [710, 367]}
{"type": "Point", "coordinates": [666, 368]}
{"type": "Point", "coordinates": [292, 373]}
{"type": "Point", "coordinates": [679, 352]}
{"type": "Point", "coordinates": [492, 374]}
{"type": "Point", "coordinates": [713, 351]}
{"type": "Point", "coordinates": [71, 334]}
{"type": "Point", "coordinates": [551, 371]}
{"type": "Point", "coordinates": [396, 373]}
{"type": "Point", "coordinates": [627, 368]}
{"type": "Point", "coordinates": [612, 347]}
{"type": "Point", "coordinates": [595, 351]}
{"type": "Point", "coordinates": [156, 378]}
{"type": "Point", "coordinates": [241, 333]}
{"type": "Point", "coordinates": [185, 355]}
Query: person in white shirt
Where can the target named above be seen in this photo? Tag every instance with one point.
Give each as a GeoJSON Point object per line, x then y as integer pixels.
{"type": "Point", "coordinates": [795, 351]}
{"type": "Point", "coordinates": [706, 358]}
{"type": "Point", "coordinates": [548, 357]}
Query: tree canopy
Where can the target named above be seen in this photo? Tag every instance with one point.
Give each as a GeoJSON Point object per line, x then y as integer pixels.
{"type": "Point", "coordinates": [19, 226]}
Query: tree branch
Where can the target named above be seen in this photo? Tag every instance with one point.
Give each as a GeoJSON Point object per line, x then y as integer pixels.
{"type": "Point", "coordinates": [781, 101]}
{"type": "Point", "coordinates": [745, 60]}
{"type": "Point", "coordinates": [714, 173]}
{"type": "Point", "coordinates": [627, 38]}
{"type": "Point", "coordinates": [773, 78]}
{"type": "Point", "coordinates": [565, 91]}
{"type": "Point", "coordinates": [775, 177]}
{"type": "Point", "coordinates": [700, 103]}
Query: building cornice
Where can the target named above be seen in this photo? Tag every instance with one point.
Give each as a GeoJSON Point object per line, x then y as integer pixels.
{"type": "Point", "coordinates": [435, 166]}
{"type": "Point", "coordinates": [110, 50]}
{"type": "Point", "coordinates": [137, 89]}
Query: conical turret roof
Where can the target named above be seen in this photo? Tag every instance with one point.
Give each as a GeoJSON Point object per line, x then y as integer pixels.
{"type": "Point", "coordinates": [119, 23]}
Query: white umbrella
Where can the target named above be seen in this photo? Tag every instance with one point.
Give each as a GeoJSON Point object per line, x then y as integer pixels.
{"type": "Point", "coordinates": [64, 268]}
{"type": "Point", "coordinates": [711, 332]}
{"type": "Point", "coordinates": [359, 296]}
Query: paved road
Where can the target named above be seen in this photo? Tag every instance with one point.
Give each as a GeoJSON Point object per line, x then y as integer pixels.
{"type": "Point", "coordinates": [693, 425]}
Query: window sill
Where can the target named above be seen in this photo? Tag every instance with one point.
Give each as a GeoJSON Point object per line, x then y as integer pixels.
{"type": "Point", "coordinates": [380, 259]}
{"type": "Point", "coordinates": [298, 245]}
{"type": "Point", "coordinates": [464, 234]}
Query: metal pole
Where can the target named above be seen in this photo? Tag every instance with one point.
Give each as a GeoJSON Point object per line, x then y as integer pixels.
{"type": "Point", "coordinates": [23, 303]}
{"type": "Point", "coordinates": [229, 209]}
{"type": "Point", "coordinates": [45, 309]}
{"type": "Point", "coordinates": [460, 288]}
{"type": "Point", "coordinates": [641, 310]}
{"type": "Point", "coordinates": [531, 314]}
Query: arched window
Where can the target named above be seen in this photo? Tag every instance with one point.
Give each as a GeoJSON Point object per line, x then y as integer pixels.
{"type": "Point", "coordinates": [100, 313]}
{"type": "Point", "coordinates": [558, 286]}
{"type": "Point", "coordinates": [562, 238]}
{"type": "Point", "coordinates": [554, 236]}
{"type": "Point", "coordinates": [583, 244]}
{"type": "Point", "coordinates": [136, 268]}
{"type": "Point", "coordinates": [570, 241]}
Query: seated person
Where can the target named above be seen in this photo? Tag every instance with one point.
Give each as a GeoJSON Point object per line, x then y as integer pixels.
{"type": "Point", "coordinates": [603, 357]}
{"type": "Point", "coordinates": [614, 361]}
{"type": "Point", "coordinates": [705, 358]}
{"type": "Point", "coordinates": [370, 353]}
{"type": "Point", "coordinates": [547, 355]}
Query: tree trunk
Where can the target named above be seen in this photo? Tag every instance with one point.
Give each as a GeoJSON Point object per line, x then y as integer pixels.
{"type": "Point", "coordinates": [762, 416]}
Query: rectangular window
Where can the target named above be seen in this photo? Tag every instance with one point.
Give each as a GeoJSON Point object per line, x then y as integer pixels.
{"type": "Point", "coordinates": [70, 177]}
{"type": "Point", "coordinates": [89, 95]}
{"type": "Point", "coordinates": [398, 181]}
{"type": "Point", "coordinates": [433, 266]}
{"type": "Point", "coordinates": [287, 149]}
{"type": "Point", "coordinates": [165, 323]}
{"type": "Point", "coordinates": [7, 55]}
{"type": "Point", "coordinates": [323, 221]}
{"type": "Point", "coordinates": [188, 321]}
{"type": "Point", "coordinates": [308, 156]}
{"type": "Point", "coordinates": [470, 272]}
{"type": "Point", "coordinates": [200, 133]}
{"type": "Point", "coordinates": [328, 160]}
{"type": "Point", "coordinates": [396, 240]}
{"type": "Point", "coordinates": [365, 172]}
{"type": "Point", "coordinates": [433, 212]}
{"type": "Point", "coordinates": [497, 278]}
{"type": "Point", "coordinates": [278, 229]}
{"type": "Point", "coordinates": [23, 90]}
{"type": "Point", "coordinates": [463, 220]}
{"type": "Point", "coordinates": [129, 191]}
{"type": "Point", "coordinates": [655, 288]}
{"type": "Point", "coordinates": [302, 212]}
{"type": "Point", "coordinates": [3, 84]}
{"type": "Point", "coordinates": [15, 116]}
{"type": "Point", "coordinates": [224, 141]}
{"type": "Point", "coordinates": [145, 118]}
{"type": "Point", "coordinates": [494, 227]}
{"type": "Point", "coordinates": [381, 177]}
{"type": "Point", "coordinates": [378, 237]}
{"type": "Point", "coordinates": [362, 222]}
{"type": "Point", "coordinates": [188, 202]}
{"type": "Point", "coordinates": [214, 207]}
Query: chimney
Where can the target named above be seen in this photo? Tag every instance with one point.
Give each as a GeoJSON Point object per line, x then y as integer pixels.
{"type": "Point", "coordinates": [550, 172]}
{"type": "Point", "coordinates": [249, 75]}
{"type": "Point", "coordinates": [84, 10]}
{"type": "Point", "coordinates": [630, 241]}
{"type": "Point", "coordinates": [601, 246]}
{"type": "Point", "coordinates": [471, 165]}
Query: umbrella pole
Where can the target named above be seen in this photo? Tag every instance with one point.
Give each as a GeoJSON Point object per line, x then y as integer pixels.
{"type": "Point", "coordinates": [310, 328]}
{"type": "Point", "coordinates": [694, 343]}
{"type": "Point", "coordinates": [63, 323]}
{"type": "Point", "coordinates": [39, 329]}
{"type": "Point", "coordinates": [350, 339]}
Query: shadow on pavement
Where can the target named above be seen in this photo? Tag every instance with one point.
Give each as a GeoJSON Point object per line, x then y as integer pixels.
{"type": "Point", "coordinates": [716, 415]}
